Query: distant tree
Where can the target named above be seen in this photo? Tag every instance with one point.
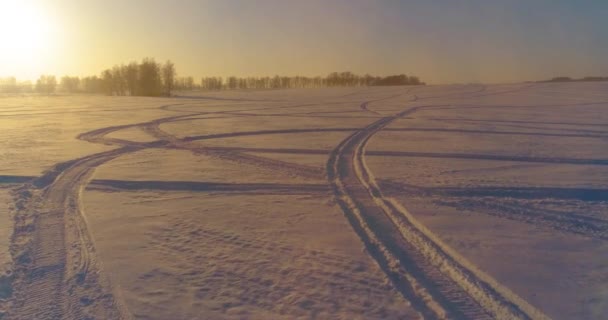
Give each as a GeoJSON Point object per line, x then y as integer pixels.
{"type": "Point", "coordinates": [150, 82]}
{"type": "Point", "coordinates": [368, 80]}
{"type": "Point", "coordinates": [184, 83]}
{"type": "Point", "coordinates": [397, 80]}
{"type": "Point", "coordinates": [92, 84]}
{"type": "Point", "coordinates": [569, 79]}
{"type": "Point", "coordinates": [212, 83]}
{"type": "Point", "coordinates": [333, 79]}
{"type": "Point", "coordinates": [70, 84]}
{"type": "Point", "coordinates": [8, 85]}
{"type": "Point", "coordinates": [149, 78]}
{"type": "Point", "coordinates": [130, 74]}
{"type": "Point", "coordinates": [119, 82]}
{"type": "Point", "coordinates": [413, 80]}
{"type": "Point", "coordinates": [107, 82]}
{"type": "Point", "coordinates": [189, 83]}
{"type": "Point", "coordinates": [218, 83]}
{"type": "Point", "coordinates": [275, 82]}
{"type": "Point", "coordinates": [25, 86]}
{"type": "Point", "coordinates": [594, 78]}
{"type": "Point", "coordinates": [561, 79]}
{"type": "Point", "coordinates": [232, 83]}
{"type": "Point", "coordinates": [168, 74]}
{"type": "Point", "coordinates": [242, 83]}
{"type": "Point", "coordinates": [46, 84]}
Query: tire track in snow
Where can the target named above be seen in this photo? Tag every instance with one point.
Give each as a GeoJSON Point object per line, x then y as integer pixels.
{"type": "Point", "coordinates": [236, 155]}
{"type": "Point", "coordinates": [57, 275]}
{"type": "Point", "coordinates": [564, 221]}
{"type": "Point", "coordinates": [439, 282]}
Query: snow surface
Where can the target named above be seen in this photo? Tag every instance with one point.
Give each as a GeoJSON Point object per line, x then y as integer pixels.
{"type": "Point", "coordinates": [220, 204]}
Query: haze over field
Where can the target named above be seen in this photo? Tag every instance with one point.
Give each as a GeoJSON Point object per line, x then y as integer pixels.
{"type": "Point", "coordinates": [167, 160]}
{"type": "Point", "coordinates": [442, 41]}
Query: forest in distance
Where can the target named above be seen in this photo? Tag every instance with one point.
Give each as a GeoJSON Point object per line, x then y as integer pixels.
{"type": "Point", "coordinates": [569, 79]}
{"type": "Point", "coordinates": [150, 78]}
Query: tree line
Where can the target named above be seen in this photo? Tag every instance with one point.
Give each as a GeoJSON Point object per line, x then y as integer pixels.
{"type": "Point", "coordinates": [45, 84]}
{"type": "Point", "coordinates": [149, 78]}
{"type": "Point", "coordinates": [334, 79]}
{"type": "Point", "coordinates": [568, 79]}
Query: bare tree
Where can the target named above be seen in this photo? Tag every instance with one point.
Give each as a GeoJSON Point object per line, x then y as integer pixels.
{"type": "Point", "coordinates": [70, 84]}
{"type": "Point", "coordinates": [149, 78]}
{"type": "Point", "coordinates": [92, 84]}
{"type": "Point", "coordinates": [130, 73]}
{"type": "Point", "coordinates": [46, 84]}
{"type": "Point", "coordinates": [232, 82]}
{"type": "Point", "coordinates": [119, 83]}
{"type": "Point", "coordinates": [9, 85]}
{"type": "Point", "coordinates": [168, 73]}
{"type": "Point", "coordinates": [107, 82]}
{"type": "Point", "coordinates": [189, 83]}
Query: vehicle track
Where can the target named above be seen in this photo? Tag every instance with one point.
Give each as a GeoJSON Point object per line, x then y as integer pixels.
{"type": "Point", "coordinates": [197, 186]}
{"type": "Point", "coordinates": [439, 282]}
{"type": "Point", "coordinates": [490, 157]}
{"type": "Point", "coordinates": [57, 275]}
{"type": "Point", "coordinates": [564, 221]}
{"type": "Point", "coordinates": [153, 128]}
{"type": "Point", "coordinates": [497, 132]}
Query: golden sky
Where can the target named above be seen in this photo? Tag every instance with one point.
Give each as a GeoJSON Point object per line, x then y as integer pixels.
{"type": "Point", "coordinates": [440, 41]}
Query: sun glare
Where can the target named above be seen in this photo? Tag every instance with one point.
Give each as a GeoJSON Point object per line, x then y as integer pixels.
{"type": "Point", "coordinates": [26, 36]}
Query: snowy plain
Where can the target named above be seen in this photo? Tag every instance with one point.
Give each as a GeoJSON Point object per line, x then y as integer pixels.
{"type": "Point", "coordinates": [460, 201]}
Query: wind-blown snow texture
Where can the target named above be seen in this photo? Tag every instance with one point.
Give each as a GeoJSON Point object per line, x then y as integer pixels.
{"type": "Point", "coordinates": [438, 202]}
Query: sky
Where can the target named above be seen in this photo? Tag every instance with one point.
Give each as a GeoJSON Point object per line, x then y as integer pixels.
{"type": "Point", "coordinates": [441, 41]}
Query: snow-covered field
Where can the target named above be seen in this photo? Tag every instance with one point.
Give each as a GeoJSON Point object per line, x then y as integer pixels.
{"type": "Point", "coordinates": [463, 201]}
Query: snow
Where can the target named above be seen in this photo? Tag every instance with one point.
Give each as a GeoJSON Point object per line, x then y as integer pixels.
{"type": "Point", "coordinates": [232, 216]}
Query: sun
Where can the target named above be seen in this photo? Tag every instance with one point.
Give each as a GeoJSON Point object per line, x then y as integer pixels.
{"type": "Point", "coordinates": [26, 36]}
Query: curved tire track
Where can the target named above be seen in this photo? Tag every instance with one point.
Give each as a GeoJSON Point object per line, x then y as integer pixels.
{"type": "Point", "coordinates": [439, 282]}
{"type": "Point", "coordinates": [57, 275]}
